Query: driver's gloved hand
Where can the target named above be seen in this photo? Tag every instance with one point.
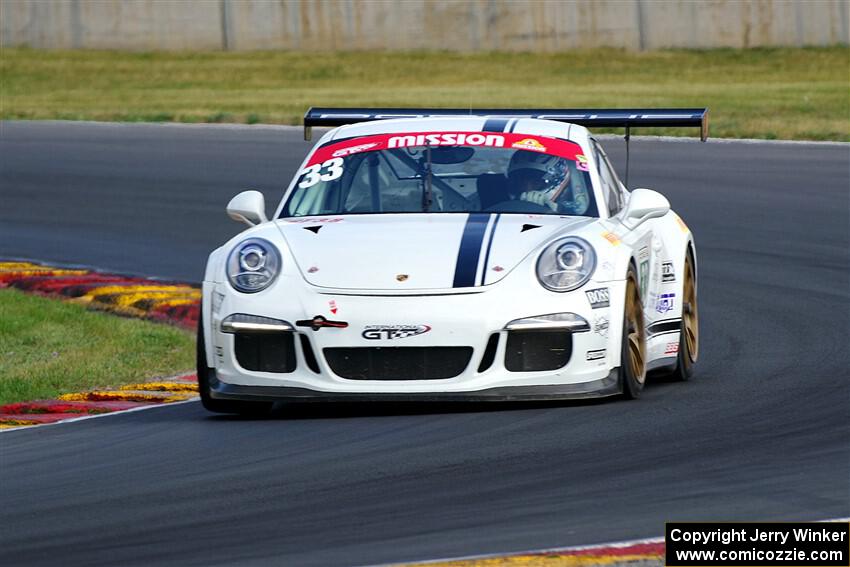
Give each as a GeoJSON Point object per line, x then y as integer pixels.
{"type": "Point", "coordinates": [538, 198]}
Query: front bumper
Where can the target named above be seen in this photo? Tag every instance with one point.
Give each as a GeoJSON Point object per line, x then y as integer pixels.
{"type": "Point", "coordinates": [454, 320]}
{"type": "Point", "coordinates": [608, 386]}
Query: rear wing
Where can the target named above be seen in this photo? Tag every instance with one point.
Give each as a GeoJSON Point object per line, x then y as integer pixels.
{"type": "Point", "coordinates": [602, 117]}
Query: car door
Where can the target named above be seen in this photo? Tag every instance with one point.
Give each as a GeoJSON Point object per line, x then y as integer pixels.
{"type": "Point", "coordinates": [641, 239]}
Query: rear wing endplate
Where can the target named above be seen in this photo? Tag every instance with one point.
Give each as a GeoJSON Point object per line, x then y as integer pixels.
{"type": "Point", "coordinates": [592, 117]}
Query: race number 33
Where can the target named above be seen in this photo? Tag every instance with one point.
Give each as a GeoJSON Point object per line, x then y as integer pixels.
{"type": "Point", "coordinates": [325, 171]}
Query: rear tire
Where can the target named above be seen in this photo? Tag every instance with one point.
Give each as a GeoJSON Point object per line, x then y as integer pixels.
{"type": "Point", "coordinates": [221, 406]}
{"type": "Point", "coordinates": [633, 347]}
{"type": "Point", "coordinates": [689, 333]}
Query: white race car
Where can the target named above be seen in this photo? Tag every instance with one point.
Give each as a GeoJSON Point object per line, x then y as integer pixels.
{"type": "Point", "coordinates": [451, 255]}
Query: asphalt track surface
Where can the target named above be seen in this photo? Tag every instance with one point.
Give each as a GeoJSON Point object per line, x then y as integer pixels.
{"type": "Point", "coordinates": [761, 432]}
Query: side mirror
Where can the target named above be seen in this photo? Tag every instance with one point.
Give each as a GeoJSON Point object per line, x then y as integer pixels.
{"type": "Point", "coordinates": [645, 204]}
{"type": "Point", "coordinates": [248, 207]}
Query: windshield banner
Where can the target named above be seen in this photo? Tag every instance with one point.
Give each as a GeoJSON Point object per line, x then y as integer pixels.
{"type": "Point", "coordinates": [542, 144]}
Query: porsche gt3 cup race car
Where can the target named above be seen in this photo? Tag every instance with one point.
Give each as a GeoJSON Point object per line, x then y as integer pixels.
{"type": "Point", "coordinates": [434, 254]}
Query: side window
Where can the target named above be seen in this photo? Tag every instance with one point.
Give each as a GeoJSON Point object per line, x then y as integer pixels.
{"type": "Point", "coordinates": [617, 191]}
{"type": "Point", "coordinates": [610, 189]}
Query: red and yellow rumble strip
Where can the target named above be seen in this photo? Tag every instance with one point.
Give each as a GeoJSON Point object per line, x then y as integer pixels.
{"type": "Point", "coordinates": [172, 302]}
{"type": "Point", "coordinates": [613, 554]}
{"type": "Point", "coordinates": [70, 406]}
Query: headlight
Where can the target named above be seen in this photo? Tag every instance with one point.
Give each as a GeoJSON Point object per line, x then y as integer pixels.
{"type": "Point", "coordinates": [253, 265]}
{"type": "Point", "coordinates": [566, 264]}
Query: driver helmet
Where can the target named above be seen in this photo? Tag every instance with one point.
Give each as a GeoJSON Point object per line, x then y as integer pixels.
{"type": "Point", "coordinates": [534, 171]}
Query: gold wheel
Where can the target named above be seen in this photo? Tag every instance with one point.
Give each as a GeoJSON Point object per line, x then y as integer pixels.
{"type": "Point", "coordinates": [690, 312]}
{"type": "Point", "coordinates": [635, 332]}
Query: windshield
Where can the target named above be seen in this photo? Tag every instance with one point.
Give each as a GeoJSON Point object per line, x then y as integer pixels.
{"type": "Point", "coordinates": [448, 172]}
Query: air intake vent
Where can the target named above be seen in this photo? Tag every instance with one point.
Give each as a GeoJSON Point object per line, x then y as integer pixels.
{"type": "Point", "coordinates": [531, 351]}
{"type": "Point", "coordinates": [398, 363]}
{"type": "Point", "coordinates": [309, 355]}
{"type": "Point", "coordinates": [489, 353]}
{"type": "Point", "coordinates": [268, 352]}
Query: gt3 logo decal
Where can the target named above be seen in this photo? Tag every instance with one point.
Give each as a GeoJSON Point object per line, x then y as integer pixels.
{"type": "Point", "coordinates": [667, 273]}
{"type": "Point", "coordinates": [391, 332]}
{"type": "Point", "coordinates": [598, 297]}
{"type": "Point", "coordinates": [665, 302]}
{"type": "Point", "coordinates": [332, 306]}
{"type": "Point", "coordinates": [672, 348]}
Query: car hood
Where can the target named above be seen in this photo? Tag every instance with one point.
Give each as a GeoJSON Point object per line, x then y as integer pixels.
{"type": "Point", "coordinates": [415, 251]}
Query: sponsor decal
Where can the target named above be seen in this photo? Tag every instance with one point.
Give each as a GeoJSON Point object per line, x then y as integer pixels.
{"type": "Point", "coordinates": [402, 277]}
{"type": "Point", "coordinates": [665, 302]}
{"type": "Point", "coordinates": [529, 144]}
{"type": "Point", "coordinates": [447, 139]}
{"type": "Point", "coordinates": [611, 237]}
{"type": "Point", "coordinates": [498, 269]}
{"type": "Point", "coordinates": [600, 326]}
{"type": "Point", "coordinates": [325, 171]}
{"type": "Point", "coordinates": [380, 142]}
{"type": "Point", "coordinates": [643, 279]}
{"type": "Point", "coordinates": [392, 332]}
{"type": "Point", "coordinates": [672, 348]}
{"type": "Point", "coordinates": [332, 306]}
{"type": "Point", "coordinates": [595, 354]}
{"type": "Point", "coordinates": [598, 297]}
{"type": "Point", "coordinates": [353, 150]}
{"type": "Point", "coordinates": [312, 270]}
{"type": "Point", "coordinates": [582, 163]}
{"type": "Point", "coordinates": [663, 327]}
{"type": "Point", "coordinates": [667, 272]}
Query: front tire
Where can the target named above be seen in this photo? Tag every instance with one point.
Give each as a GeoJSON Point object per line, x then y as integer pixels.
{"type": "Point", "coordinates": [220, 406]}
{"type": "Point", "coordinates": [633, 346]}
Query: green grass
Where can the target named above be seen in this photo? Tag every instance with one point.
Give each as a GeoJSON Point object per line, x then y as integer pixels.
{"type": "Point", "coordinates": [755, 93]}
{"type": "Point", "coordinates": [49, 347]}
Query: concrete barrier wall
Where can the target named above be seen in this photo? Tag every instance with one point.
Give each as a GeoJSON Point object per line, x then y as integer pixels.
{"type": "Point", "coordinates": [458, 25]}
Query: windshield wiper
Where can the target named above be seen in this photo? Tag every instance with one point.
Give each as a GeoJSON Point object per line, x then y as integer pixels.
{"type": "Point", "coordinates": [427, 195]}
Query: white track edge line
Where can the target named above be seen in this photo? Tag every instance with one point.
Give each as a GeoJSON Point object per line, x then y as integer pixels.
{"type": "Point", "coordinates": [618, 544]}
{"type": "Point", "coordinates": [287, 127]}
{"type": "Point", "coordinates": [99, 415]}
